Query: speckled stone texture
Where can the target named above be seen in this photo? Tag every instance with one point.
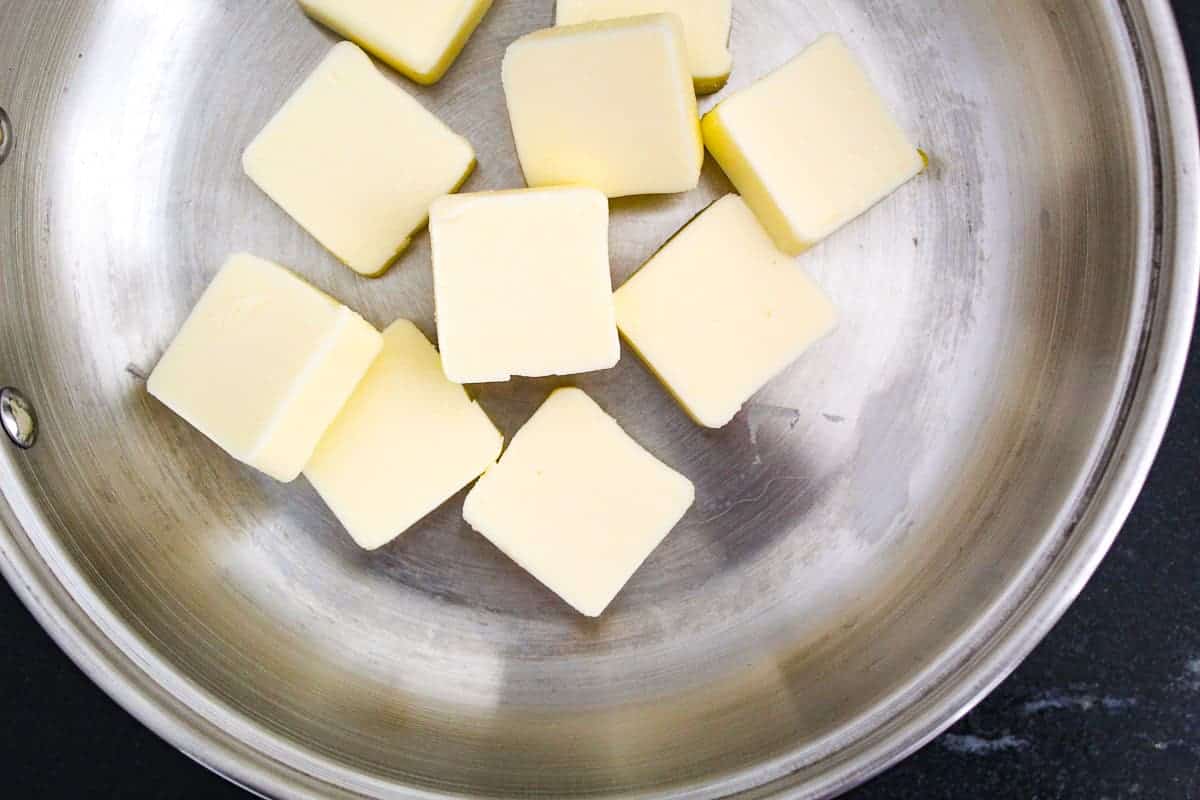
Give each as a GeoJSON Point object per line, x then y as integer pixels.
{"type": "Point", "coordinates": [1108, 706]}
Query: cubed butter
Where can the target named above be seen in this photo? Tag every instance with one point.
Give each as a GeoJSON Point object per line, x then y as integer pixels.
{"type": "Point", "coordinates": [420, 38]}
{"type": "Point", "coordinates": [605, 104]}
{"type": "Point", "coordinates": [576, 502]}
{"type": "Point", "coordinates": [522, 284]}
{"type": "Point", "coordinates": [811, 146]}
{"type": "Point", "coordinates": [719, 311]}
{"type": "Point", "coordinates": [406, 441]}
{"type": "Point", "coordinates": [706, 25]}
{"type": "Point", "coordinates": [357, 161]}
{"type": "Point", "coordinates": [263, 364]}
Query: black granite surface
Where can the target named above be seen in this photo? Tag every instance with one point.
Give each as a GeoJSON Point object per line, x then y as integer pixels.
{"type": "Point", "coordinates": [1106, 708]}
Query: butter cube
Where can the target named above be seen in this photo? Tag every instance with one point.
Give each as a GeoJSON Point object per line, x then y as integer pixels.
{"type": "Point", "coordinates": [522, 285]}
{"type": "Point", "coordinates": [357, 161]}
{"type": "Point", "coordinates": [406, 441]}
{"type": "Point", "coordinates": [605, 104]}
{"type": "Point", "coordinates": [419, 38]}
{"type": "Point", "coordinates": [706, 25]}
{"type": "Point", "coordinates": [719, 311]}
{"type": "Point", "coordinates": [263, 364]}
{"type": "Point", "coordinates": [576, 502]}
{"type": "Point", "coordinates": [811, 146]}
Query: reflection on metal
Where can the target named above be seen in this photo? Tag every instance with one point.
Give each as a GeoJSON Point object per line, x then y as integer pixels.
{"type": "Point", "coordinates": [18, 418]}
{"type": "Point", "coordinates": [6, 135]}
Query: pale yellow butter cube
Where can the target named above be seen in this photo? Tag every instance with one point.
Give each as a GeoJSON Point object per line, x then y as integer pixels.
{"type": "Point", "coordinates": [406, 441]}
{"type": "Point", "coordinates": [576, 502]}
{"type": "Point", "coordinates": [522, 284]}
{"type": "Point", "coordinates": [706, 25]}
{"type": "Point", "coordinates": [263, 364]}
{"type": "Point", "coordinates": [357, 161]}
{"type": "Point", "coordinates": [420, 38]}
{"type": "Point", "coordinates": [811, 146]}
{"type": "Point", "coordinates": [719, 311]}
{"type": "Point", "coordinates": [605, 104]}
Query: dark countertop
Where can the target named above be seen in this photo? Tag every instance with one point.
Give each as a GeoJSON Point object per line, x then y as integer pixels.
{"type": "Point", "coordinates": [1107, 707]}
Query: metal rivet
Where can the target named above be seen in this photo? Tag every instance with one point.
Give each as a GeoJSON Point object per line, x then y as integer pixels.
{"type": "Point", "coordinates": [18, 418]}
{"type": "Point", "coordinates": [6, 135]}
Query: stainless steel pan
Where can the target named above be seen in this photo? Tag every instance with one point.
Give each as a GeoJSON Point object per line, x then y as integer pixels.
{"type": "Point", "coordinates": [878, 539]}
